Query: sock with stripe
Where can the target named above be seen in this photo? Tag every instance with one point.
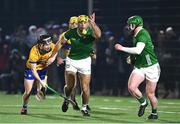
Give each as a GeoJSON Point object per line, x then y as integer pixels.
{"type": "Point", "coordinates": [154, 111]}
{"type": "Point", "coordinates": [142, 100]}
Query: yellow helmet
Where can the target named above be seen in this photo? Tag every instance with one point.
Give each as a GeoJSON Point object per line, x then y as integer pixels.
{"type": "Point", "coordinates": [73, 19]}
{"type": "Point", "coordinates": [83, 18]}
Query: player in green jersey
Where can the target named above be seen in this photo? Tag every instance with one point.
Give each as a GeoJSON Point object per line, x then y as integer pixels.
{"type": "Point", "coordinates": [146, 65]}
{"type": "Point", "coordinates": [64, 52]}
{"type": "Point", "coordinates": [79, 60]}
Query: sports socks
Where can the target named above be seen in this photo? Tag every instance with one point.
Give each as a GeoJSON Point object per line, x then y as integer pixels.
{"type": "Point", "coordinates": [142, 100]}
{"type": "Point", "coordinates": [84, 107]}
{"type": "Point", "coordinates": [154, 111]}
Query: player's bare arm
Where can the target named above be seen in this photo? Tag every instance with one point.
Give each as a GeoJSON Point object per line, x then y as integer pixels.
{"type": "Point", "coordinates": [62, 40]}
{"type": "Point", "coordinates": [58, 45]}
{"type": "Point", "coordinates": [96, 29]}
{"type": "Point", "coordinates": [34, 71]}
{"type": "Point", "coordinates": [132, 50]}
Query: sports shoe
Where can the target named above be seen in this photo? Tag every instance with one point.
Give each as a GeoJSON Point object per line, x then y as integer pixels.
{"type": "Point", "coordinates": [153, 116]}
{"type": "Point", "coordinates": [23, 111]}
{"type": "Point", "coordinates": [88, 108]}
{"type": "Point", "coordinates": [85, 112]}
{"type": "Point", "coordinates": [76, 107]}
{"type": "Point", "coordinates": [65, 106]}
{"type": "Point", "coordinates": [142, 109]}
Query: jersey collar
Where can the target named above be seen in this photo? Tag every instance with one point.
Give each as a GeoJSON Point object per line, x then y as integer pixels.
{"type": "Point", "coordinates": [140, 28]}
{"type": "Point", "coordinates": [79, 33]}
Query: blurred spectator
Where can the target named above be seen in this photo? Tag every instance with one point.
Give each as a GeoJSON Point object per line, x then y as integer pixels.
{"type": "Point", "coordinates": [100, 71]}
{"type": "Point", "coordinates": [1, 35]}
{"type": "Point", "coordinates": [124, 69]}
{"type": "Point", "coordinates": [55, 32]}
{"type": "Point", "coordinates": [64, 27]}
{"type": "Point", "coordinates": [106, 65]}
{"type": "Point", "coordinates": [41, 31]}
{"type": "Point", "coordinates": [167, 45]}
{"type": "Point", "coordinates": [4, 55]}
{"type": "Point", "coordinates": [170, 34]}
{"type": "Point", "coordinates": [32, 35]}
{"type": "Point", "coordinates": [19, 41]}
{"type": "Point", "coordinates": [161, 46]}
{"type": "Point", "coordinates": [16, 64]}
{"type": "Point", "coordinates": [111, 66]}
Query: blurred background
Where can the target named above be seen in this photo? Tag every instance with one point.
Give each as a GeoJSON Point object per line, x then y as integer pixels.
{"type": "Point", "coordinates": [21, 22]}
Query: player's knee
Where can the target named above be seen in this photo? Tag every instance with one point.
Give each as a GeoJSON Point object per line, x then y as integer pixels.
{"type": "Point", "coordinates": [27, 93]}
{"type": "Point", "coordinates": [150, 94]}
{"type": "Point", "coordinates": [131, 89]}
{"type": "Point", "coordinates": [68, 87]}
{"type": "Point", "coordinates": [85, 89]}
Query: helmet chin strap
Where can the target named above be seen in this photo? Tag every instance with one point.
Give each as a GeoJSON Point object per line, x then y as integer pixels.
{"type": "Point", "coordinates": [132, 31]}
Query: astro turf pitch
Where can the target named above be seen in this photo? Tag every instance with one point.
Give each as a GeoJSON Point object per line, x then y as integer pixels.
{"type": "Point", "coordinates": [105, 109]}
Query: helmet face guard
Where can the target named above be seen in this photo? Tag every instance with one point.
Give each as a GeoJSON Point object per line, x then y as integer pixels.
{"type": "Point", "coordinates": [83, 24]}
{"type": "Point", "coordinates": [44, 43]}
{"type": "Point", "coordinates": [45, 40]}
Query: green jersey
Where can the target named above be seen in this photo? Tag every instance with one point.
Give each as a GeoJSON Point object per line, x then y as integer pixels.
{"type": "Point", "coordinates": [147, 56]}
{"type": "Point", "coordinates": [81, 46]}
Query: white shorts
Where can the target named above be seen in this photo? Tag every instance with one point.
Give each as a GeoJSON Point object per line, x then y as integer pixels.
{"type": "Point", "coordinates": [151, 73]}
{"type": "Point", "coordinates": [82, 66]}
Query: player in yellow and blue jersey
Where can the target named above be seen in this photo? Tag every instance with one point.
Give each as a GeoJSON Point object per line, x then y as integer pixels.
{"type": "Point", "coordinates": [36, 69]}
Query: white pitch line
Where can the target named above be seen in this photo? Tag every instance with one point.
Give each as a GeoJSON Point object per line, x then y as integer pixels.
{"type": "Point", "coordinates": [125, 109]}
{"type": "Point", "coordinates": [29, 105]}
{"type": "Point", "coordinates": [98, 107]}
{"type": "Point", "coordinates": [117, 100]}
{"type": "Point", "coordinates": [106, 100]}
{"type": "Point", "coordinates": [107, 108]}
{"type": "Point", "coordinates": [171, 103]}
